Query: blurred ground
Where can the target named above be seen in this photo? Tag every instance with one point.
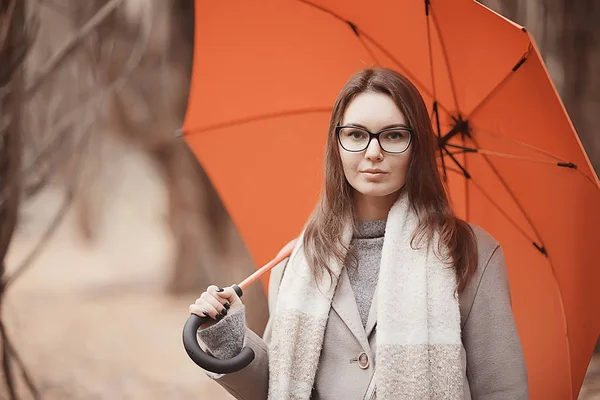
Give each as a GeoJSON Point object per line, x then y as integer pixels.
{"type": "Point", "coordinates": [92, 321]}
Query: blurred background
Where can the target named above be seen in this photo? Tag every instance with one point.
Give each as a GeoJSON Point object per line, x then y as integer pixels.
{"type": "Point", "coordinates": [109, 227]}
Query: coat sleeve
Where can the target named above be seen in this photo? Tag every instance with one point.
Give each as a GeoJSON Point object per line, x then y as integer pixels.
{"type": "Point", "coordinates": [495, 363]}
{"type": "Point", "coordinates": [252, 382]}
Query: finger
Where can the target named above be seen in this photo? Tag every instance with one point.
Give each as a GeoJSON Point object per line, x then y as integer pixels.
{"type": "Point", "coordinates": [223, 296]}
{"type": "Point", "coordinates": [216, 303]}
{"type": "Point", "coordinates": [221, 303]}
{"type": "Point", "coordinates": [230, 295]}
{"type": "Point", "coordinates": [203, 309]}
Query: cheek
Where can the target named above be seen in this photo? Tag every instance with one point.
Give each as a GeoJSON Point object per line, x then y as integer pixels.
{"type": "Point", "coordinates": [349, 162]}
{"type": "Point", "coordinates": [400, 166]}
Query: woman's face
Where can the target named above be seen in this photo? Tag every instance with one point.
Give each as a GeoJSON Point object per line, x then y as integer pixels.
{"type": "Point", "coordinates": [373, 172]}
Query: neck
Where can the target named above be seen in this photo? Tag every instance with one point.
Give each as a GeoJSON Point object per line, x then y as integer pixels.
{"type": "Point", "coordinates": [371, 208]}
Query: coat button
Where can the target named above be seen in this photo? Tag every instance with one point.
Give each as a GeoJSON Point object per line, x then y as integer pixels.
{"type": "Point", "coordinates": [363, 360]}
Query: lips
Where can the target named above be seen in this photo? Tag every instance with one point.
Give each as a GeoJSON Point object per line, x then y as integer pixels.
{"type": "Point", "coordinates": [374, 171]}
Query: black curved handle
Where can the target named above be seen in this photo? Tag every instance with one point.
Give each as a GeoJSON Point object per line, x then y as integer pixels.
{"type": "Point", "coordinates": [206, 361]}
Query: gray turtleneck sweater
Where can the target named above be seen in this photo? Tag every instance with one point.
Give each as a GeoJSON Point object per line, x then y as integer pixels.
{"type": "Point", "coordinates": [225, 338]}
{"type": "Point", "coordinates": [366, 245]}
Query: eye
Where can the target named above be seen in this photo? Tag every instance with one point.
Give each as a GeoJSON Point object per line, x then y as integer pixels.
{"type": "Point", "coordinates": [355, 134]}
{"type": "Point", "coordinates": [395, 135]}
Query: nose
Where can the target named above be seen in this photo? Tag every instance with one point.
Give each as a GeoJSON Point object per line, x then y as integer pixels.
{"type": "Point", "coordinates": [374, 151]}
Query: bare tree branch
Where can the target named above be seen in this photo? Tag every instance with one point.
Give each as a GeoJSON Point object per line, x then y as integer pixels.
{"type": "Point", "coordinates": [11, 351]}
{"type": "Point", "coordinates": [10, 143]}
{"type": "Point", "coordinates": [12, 54]}
{"type": "Point", "coordinates": [60, 56]}
{"type": "Point", "coordinates": [59, 131]}
{"type": "Point", "coordinates": [17, 55]}
{"type": "Point", "coordinates": [7, 368]}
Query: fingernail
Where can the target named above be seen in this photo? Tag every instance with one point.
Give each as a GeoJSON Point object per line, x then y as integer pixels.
{"type": "Point", "coordinates": [224, 312]}
{"type": "Point", "coordinates": [205, 313]}
{"type": "Point", "coordinates": [219, 317]}
{"type": "Point", "coordinates": [220, 290]}
{"type": "Point", "coordinates": [227, 305]}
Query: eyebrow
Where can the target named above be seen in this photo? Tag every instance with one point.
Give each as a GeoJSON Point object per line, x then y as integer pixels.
{"type": "Point", "coordinates": [396, 125]}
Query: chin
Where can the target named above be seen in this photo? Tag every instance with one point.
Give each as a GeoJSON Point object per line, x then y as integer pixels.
{"type": "Point", "coordinates": [376, 190]}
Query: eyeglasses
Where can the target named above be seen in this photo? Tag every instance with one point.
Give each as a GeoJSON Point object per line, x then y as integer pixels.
{"type": "Point", "coordinates": [391, 140]}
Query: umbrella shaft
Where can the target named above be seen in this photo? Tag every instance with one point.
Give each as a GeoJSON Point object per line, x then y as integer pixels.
{"type": "Point", "coordinates": [283, 253]}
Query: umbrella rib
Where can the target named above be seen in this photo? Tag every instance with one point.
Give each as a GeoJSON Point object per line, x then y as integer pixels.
{"type": "Point", "coordinates": [465, 149]}
{"type": "Point", "coordinates": [376, 61]}
{"type": "Point", "coordinates": [541, 246]}
{"type": "Point", "coordinates": [467, 181]}
{"type": "Point", "coordinates": [498, 136]}
{"type": "Point", "coordinates": [446, 59]}
{"type": "Point", "coordinates": [362, 41]}
{"type": "Point", "coordinates": [559, 161]}
{"type": "Point", "coordinates": [406, 71]}
{"type": "Point", "coordinates": [359, 32]}
{"type": "Point", "coordinates": [495, 90]}
{"type": "Point", "coordinates": [439, 135]}
{"type": "Point", "coordinates": [541, 249]}
{"type": "Point", "coordinates": [464, 171]}
{"type": "Point", "coordinates": [255, 118]}
{"type": "Point", "coordinates": [504, 213]}
{"type": "Point", "coordinates": [430, 48]}
{"type": "Point", "coordinates": [435, 102]}
{"type": "Point", "coordinates": [445, 146]}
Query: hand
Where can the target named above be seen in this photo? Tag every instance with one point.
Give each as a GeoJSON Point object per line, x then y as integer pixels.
{"type": "Point", "coordinates": [216, 303]}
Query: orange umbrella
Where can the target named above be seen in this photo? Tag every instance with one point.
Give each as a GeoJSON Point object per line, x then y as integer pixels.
{"type": "Point", "coordinates": [265, 77]}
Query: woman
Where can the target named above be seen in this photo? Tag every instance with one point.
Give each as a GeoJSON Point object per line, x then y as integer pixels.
{"type": "Point", "coordinates": [387, 294]}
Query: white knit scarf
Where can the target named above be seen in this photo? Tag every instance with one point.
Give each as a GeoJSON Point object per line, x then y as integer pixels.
{"type": "Point", "coordinates": [418, 323]}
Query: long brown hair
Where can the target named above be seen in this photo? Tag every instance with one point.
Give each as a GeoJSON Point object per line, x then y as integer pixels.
{"type": "Point", "coordinates": [424, 187]}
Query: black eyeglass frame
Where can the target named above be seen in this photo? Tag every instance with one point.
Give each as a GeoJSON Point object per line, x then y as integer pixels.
{"type": "Point", "coordinates": [375, 136]}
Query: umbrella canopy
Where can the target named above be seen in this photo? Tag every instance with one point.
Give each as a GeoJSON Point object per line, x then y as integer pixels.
{"type": "Point", "coordinates": [265, 78]}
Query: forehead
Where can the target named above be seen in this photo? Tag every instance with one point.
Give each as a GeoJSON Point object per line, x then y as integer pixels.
{"type": "Point", "coordinates": [373, 110]}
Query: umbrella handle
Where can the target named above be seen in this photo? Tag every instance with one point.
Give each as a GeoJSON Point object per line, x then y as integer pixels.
{"type": "Point", "coordinates": [206, 361]}
{"type": "Point", "coordinates": [246, 356]}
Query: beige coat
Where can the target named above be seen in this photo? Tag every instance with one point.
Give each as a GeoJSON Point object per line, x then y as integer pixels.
{"type": "Point", "coordinates": [493, 362]}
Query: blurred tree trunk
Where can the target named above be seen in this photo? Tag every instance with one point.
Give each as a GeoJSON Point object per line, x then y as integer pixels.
{"type": "Point", "coordinates": [12, 51]}
{"type": "Point", "coordinates": [14, 44]}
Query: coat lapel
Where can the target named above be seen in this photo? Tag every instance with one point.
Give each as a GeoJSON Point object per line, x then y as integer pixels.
{"type": "Point", "coordinates": [372, 319]}
{"type": "Point", "coordinates": [344, 304]}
